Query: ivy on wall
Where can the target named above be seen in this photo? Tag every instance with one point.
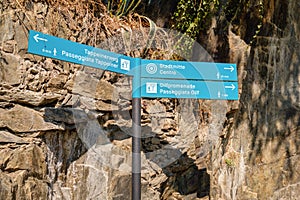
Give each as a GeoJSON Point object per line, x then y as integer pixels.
{"type": "Point", "coordinates": [191, 17]}
{"type": "Point", "coordinates": [253, 11]}
{"type": "Point", "coordinates": [194, 16]}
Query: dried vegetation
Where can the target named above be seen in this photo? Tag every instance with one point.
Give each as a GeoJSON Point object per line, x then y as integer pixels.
{"type": "Point", "coordinates": [92, 23]}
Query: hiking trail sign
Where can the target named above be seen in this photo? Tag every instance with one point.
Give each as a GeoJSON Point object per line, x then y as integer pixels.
{"type": "Point", "coordinates": [151, 79]}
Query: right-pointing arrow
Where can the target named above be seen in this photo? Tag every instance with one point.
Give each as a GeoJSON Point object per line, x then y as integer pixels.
{"type": "Point", "coordinates": [231, 68]}
{"type": "Point", "coordinates": [232, 87]}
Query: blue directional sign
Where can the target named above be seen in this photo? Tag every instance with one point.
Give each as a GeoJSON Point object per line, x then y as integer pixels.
{"type": "Point", "coordinates": [164, 88]}
{"type": "Point", "coordinates": [66, 50]}
{"type": "Point", "coordinates": [152, 78]}
{"type": "Point", "coordinates": [188, 70]}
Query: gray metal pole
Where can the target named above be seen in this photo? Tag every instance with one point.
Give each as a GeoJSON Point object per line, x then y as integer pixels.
{"type": "Point", "coordinates": [136, 149]}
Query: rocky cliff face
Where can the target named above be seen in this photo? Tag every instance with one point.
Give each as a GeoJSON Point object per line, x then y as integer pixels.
{"type": "Point", "coordinates": [258, 157]}
{"type": "Point", "coordinates": [65, 129]}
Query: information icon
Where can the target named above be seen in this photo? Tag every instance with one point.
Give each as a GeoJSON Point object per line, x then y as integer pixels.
{"type": "Point", "coordinates": [125, 64]}
{"type": "Point", "coordinates": [151, 88]}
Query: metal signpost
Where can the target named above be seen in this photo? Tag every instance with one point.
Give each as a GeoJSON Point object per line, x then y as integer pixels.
{"type": "Point", "coordinates": [151, 79]}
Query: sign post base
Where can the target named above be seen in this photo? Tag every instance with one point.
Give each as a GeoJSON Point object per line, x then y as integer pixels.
{"type": "Point", "coordinates": [136, 149]}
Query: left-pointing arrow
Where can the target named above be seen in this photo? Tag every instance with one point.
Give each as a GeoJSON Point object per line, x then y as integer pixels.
{"type": "Point", "coordinates": [232, 87]}
{"type": "Point", "coordinates": [37, 38]}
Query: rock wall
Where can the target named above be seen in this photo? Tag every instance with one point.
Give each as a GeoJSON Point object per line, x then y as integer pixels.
{"type": "Point", "coordinates": [65, 129]}
{"type": "Point", "coordinates": [258, 158]}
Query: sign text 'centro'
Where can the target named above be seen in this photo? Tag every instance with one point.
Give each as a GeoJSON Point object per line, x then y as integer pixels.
{"type": "Point", "coordinates": [188, 70]}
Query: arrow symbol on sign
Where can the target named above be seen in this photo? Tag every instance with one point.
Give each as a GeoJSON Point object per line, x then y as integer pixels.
{"type": "Point", "coordinates": [231, 68]}
{"type": "Point", "coordinates": [37, 38]}
{"type": "Point", "coordinates": [232, 87]}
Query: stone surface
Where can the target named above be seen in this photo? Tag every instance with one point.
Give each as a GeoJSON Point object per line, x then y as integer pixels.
{"type": "Point", "coordinates": [89, 86]}
{"type": "Point", "coordinates": [28, 97]}
{"type": "Point", "coordinates": [29, 158]}
{"type": "Point", "coordinates": [21, 119]}
{"type": "Point", "coordinates": [6, 187]}
{"type": "Point", "coordinates": [26, 179]}
{"type": "Point", "coordinates": [256, 160]}
{"type": "Point", "coordinates": [6, 137]}
{"type": "Point", "coordinates": [9, 68]}
{"type": "Point", "coordinates": [6, 25]}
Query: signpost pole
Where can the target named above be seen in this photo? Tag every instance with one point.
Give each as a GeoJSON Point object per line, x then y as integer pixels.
{"type": "Point", "coordinates": [136, 149]}
{"type": "Point", "coordinates": [136, 129]}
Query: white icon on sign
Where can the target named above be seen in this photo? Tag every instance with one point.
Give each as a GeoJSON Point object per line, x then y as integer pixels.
{"type": "Point", "coordinates": [151, 88]}
{"type": "Point", "coordinates": [125, 64]}
{"type": "Point", "coordinates": [151, 68]}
